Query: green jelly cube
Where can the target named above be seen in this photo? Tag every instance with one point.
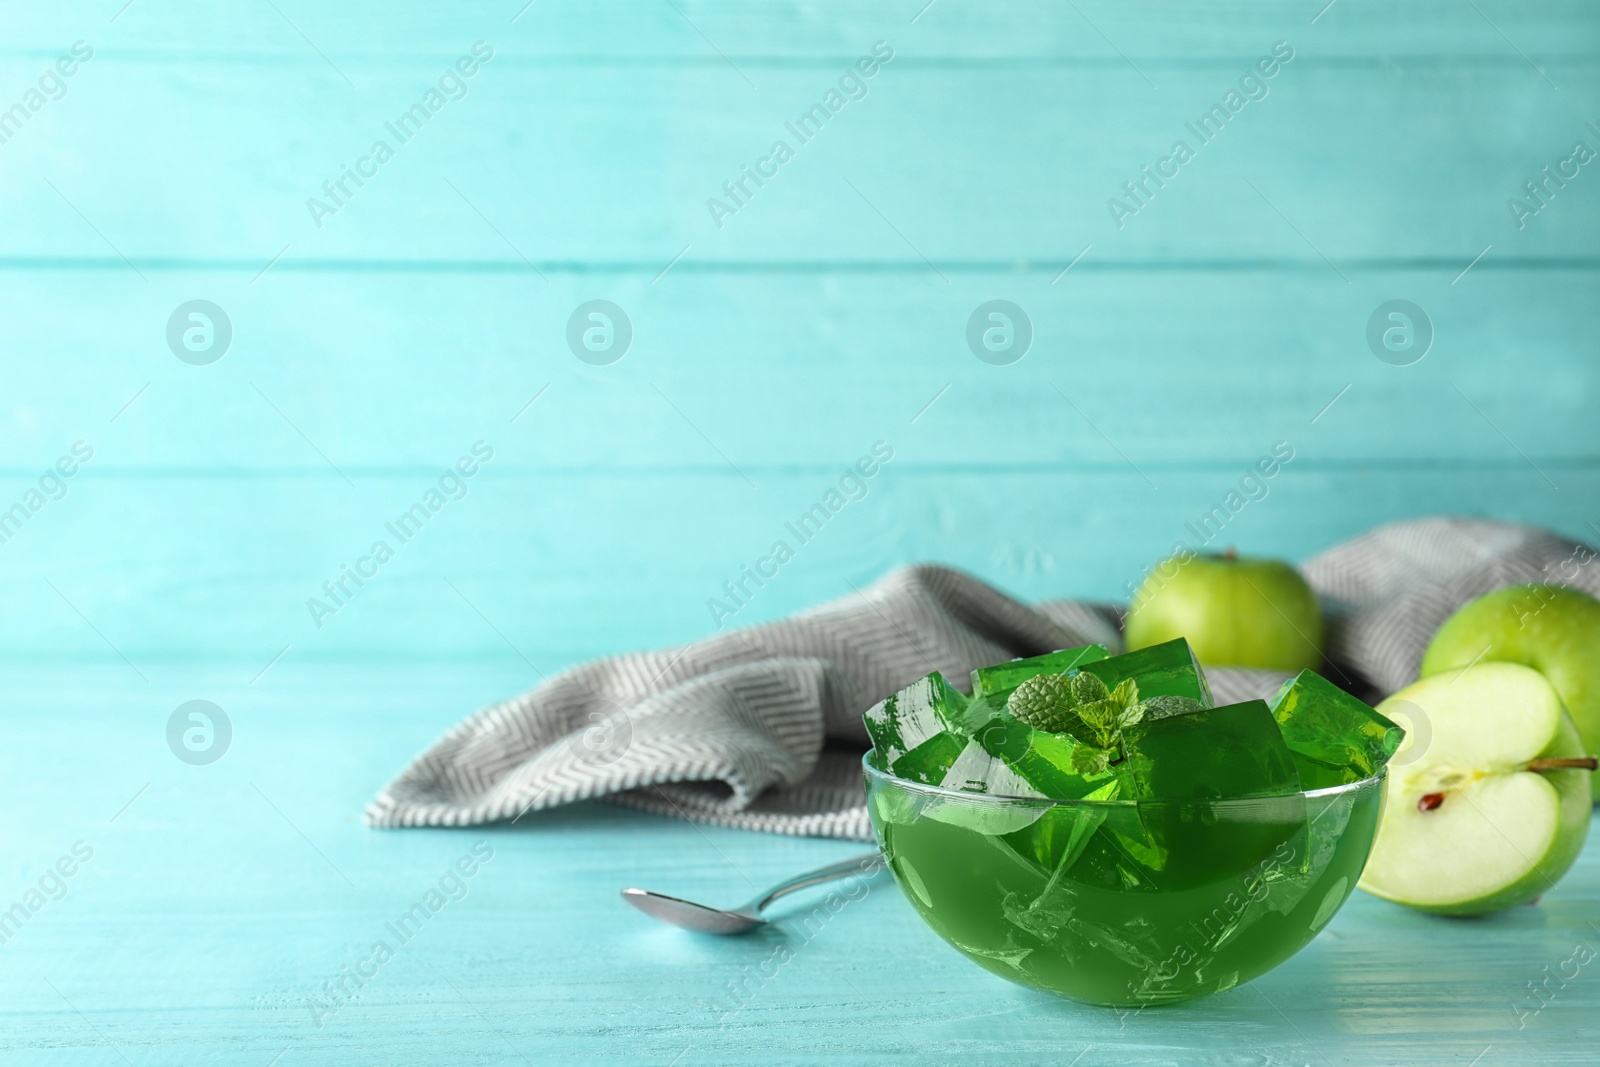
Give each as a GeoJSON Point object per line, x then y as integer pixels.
{"type": "Point", "coordinates": [976, 770]}
{"type": "Point", "coordinates": [1038, 757]}
{"type": "Point", "coordinates": [930, 761]}
{"type": "Point", "coordinates": [1023, 761]}
{"type": "Point", "coordinates": [1335, 738]}
{"type": "Point", "coordinates": [1058, 838]}
{"type": "Point", "coordinates": [1122, 853]}
{"type": "Point", "coordinates": [1314, 774]}
{"type": "Point", "coordinates": [1168, 669]}
{"type": "Point", "coordinates": [1234, 751]}
{"type": "Point", "coordinates": [1002, 678]}
{"type": "Point", "coordinates": [1011, 759]}
{"type": "Point", "coordinates": [913, 716]}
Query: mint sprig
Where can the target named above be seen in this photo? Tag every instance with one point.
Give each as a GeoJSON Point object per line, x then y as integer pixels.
{"type": "Point", "coordinates": [1082, 705]}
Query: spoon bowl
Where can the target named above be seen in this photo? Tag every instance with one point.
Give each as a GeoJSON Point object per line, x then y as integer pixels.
{"type": "Point", "coordinates": [708, 920]}
{"type": "Point", "coordinates": [689, 915]}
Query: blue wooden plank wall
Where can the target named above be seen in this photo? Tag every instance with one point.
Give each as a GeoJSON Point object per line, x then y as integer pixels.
{"type": "Point", "coordinates": [373, 343]}
{"type": "Point", "coordinates": [394, 214]}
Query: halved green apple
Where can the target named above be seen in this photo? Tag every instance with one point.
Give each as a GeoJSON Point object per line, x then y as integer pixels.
{"type": "Point", "coordinates": [1552, 628]}
{"type": "Point", "coordinates": [1493, 805]}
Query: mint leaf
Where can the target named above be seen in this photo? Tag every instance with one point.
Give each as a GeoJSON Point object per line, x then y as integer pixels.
{"type": "Point", "coordinates": [1044, 702]}
{"type": "Point", "coordinates": [1098, 714]}
{"type": "Point", "coordinates": [1101, 719]}
{"type": "Point", "coordinates": [1087, 688]}
{"type": "Point", "coordinates": [1084, 707]}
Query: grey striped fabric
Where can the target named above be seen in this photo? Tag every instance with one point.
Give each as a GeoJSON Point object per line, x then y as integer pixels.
{"type": "Point", "coordinates": [761, 728]}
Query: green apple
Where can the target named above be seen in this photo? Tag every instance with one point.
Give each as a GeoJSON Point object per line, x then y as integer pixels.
{"type": "Point", "coordinates": [1488, 796]}
{"type": "Point", "coordinates": [1551, 628]}
{"type": "Point", "coordinates": [1234, 612]}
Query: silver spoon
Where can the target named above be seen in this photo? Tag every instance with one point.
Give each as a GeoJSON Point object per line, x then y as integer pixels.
{"type": "Point", "coordinates": [692, 916]}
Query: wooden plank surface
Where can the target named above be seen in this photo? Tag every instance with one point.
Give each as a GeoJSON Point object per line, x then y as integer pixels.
{"type": "Point", "coordinates": [401, 371]}
{"type": "Point", "coordinates": [1412, 159]}
{"type": "Point", "coordinates": [429, 312]}
{"type": "Point", "coordinates": [1008, 29]}
{"type": "Point", "coordinates": [217, 905]}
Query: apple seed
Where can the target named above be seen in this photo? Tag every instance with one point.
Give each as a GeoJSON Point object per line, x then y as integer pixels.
{"type": "Point", "coordinates": [1429, 801]}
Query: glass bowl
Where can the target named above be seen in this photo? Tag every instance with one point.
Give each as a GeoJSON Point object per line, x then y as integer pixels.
{"type": "Point", "coordinates": [1125, 903]}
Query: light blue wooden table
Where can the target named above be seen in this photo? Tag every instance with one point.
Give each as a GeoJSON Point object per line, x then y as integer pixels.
{"type": "Point", "coordinates": [377, 335]}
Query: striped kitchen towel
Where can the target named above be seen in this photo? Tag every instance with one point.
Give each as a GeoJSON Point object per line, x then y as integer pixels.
{"type": "Point", "coordinates": [761, 728]}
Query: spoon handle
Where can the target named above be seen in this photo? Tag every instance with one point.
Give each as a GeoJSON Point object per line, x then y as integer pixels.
{"type": "Point", "coordinates": [863, 864]}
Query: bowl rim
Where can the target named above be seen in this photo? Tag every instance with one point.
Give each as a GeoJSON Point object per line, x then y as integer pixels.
{"type": "Point", "coordinates": [1253, 798]}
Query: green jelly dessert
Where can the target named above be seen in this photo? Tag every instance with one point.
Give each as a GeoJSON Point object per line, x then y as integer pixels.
{"type": "Point", "coordinates": [1335, 738]}
{"type": "Point", "coordinates": [1095, 826]}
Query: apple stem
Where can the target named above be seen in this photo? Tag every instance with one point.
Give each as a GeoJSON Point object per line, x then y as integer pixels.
{"type": "Point", "coordinates": [1577, 763]}
{"type": "Point", "coordinates": [1231, 554]}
